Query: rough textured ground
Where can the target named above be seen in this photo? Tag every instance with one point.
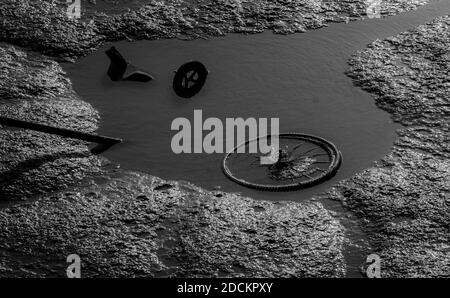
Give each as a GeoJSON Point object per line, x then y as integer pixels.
{"type": "Point", "coordinates": [34, 88]}
{"type": "Point", "coordinates": [404, 202]}
{"type": "Point", "coordinates": [131, 225]}
{"type": "Point", "coordinates": [128, 224]}
{"type": "Point", "coordinates": [43, 25]}
{"type": "Point", "coordinates": [121, 226]}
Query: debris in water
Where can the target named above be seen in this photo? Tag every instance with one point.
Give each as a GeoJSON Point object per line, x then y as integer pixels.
{"type": "Point", "coordinates": [189, 79]}
{"type": "Point", "coordinates": [120, 69]}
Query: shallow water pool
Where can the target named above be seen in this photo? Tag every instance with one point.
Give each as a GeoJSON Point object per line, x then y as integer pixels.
{"type": "Point", "coordinates": [299, 79]}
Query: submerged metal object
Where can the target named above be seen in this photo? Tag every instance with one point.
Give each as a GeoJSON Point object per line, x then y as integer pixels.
{"type": "Point", "coordinates": [189, 79]}
{"type": "Point", "coordinates": [103, 142]}
{"type": "Point", "coordinates": [303, 161]}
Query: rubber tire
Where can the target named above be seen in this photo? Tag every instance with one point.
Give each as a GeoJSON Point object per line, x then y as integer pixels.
{"type": "Point", "coordinates": [178, 79]}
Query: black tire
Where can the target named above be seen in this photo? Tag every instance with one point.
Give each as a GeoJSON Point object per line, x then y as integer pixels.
{"type": "Point", "coordinates": [183, 77]}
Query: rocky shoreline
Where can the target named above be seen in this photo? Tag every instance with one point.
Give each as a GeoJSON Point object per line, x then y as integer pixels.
{"type": "Point", "coordinates": [123, 224]}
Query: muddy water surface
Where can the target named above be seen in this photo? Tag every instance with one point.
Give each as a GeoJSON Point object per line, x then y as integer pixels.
{"type": "Point", "coordinates": [299, 79]}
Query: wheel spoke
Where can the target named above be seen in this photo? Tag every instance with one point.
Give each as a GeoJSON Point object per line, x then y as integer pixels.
{"type": "Point", "coordinates": [296, 147]}
{"type": "Point", "coordinates": [321, 162]}
{"type": "Point", "coordinates": [306, 175]}
{"type": "Point", "coordinates": [191, 77]}
{"type": "Point", "coordinates": [310, 150]}
{"type": "Point", "coordinates": [303, 163]}
{"type": "Point", "coordinates": [185, 81]}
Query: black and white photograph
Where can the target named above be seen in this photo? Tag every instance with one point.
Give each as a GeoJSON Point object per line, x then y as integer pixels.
{"type": "Point", "coordinates": [224, 146]}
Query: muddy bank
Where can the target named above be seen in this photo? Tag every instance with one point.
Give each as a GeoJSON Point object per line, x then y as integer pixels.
{"type": "Point", "coordinates": [33, 87]}
{"type": "Point", "coordinates": [404, 202]}
{"type": "Point", "coordinates": [122, 225]}
{"type": "Point", "coordinates": [129, 224]}
{"type": "Point", "coordinates": [27, 23]}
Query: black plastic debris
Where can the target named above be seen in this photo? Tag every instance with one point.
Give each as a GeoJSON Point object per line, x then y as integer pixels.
{"type": "Point", "coordinates": [120, 69]}
{"type": "Point", "coordinates": [190, 79]}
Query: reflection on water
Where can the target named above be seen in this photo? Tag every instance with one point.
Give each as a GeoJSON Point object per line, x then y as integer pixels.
{"type": "Point", "coordinates": [297, 78]}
